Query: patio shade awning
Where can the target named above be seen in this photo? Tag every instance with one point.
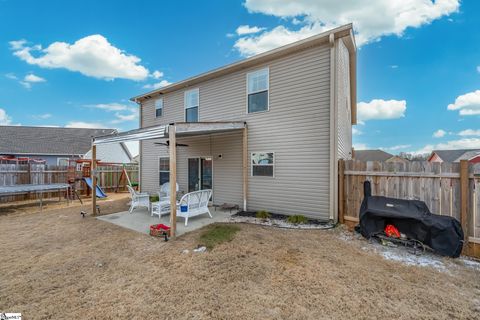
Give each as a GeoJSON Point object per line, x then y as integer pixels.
{"type": "Point", "coordinates": [182, 129]}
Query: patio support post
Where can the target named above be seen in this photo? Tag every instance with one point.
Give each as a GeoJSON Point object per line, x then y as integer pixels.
{"type": "Point", "coordinates": [93, 175]}
{"type": "Point", "coordinates": [245, 167]}
{"type": "Point", "coordinates": [173, 179]}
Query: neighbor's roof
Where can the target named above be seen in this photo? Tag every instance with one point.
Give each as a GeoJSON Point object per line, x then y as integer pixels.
{"type": "Point", "coordinates": [452, 155]}
{"type": "Point", "coordinates": [468, 155]}
{"type": "Point", "coordinates": [372, 155]}
{"type": "Point", "coordinates": [340, 32]}
{"type": "Point", "coordinates": [47, 140]}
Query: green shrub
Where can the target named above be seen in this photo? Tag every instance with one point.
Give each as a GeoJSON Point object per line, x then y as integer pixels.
{"type": "Point", "coordinates": [217, 234]}
{"type": "Point", "coordinates": [154, 198]}
{"type": "Point", "coordinates": [263, 214]}
{"type": "Point", "coordinates": [297, 219]}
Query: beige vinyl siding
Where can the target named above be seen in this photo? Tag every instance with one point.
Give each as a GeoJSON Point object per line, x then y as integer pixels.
{"type": "Point", "coordinates": [296, 129]}
{"type": "Point", "coordinates": [343, 103]}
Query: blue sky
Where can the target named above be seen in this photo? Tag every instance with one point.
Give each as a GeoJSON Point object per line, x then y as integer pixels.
{"type": "Point", "coordinates": [76, 63]}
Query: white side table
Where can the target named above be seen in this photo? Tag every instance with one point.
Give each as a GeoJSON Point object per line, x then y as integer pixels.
{"type": "Point", "coordinates": [160, 207]}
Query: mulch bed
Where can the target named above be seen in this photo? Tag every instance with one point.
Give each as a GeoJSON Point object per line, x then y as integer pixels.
{"type": "Point", "coordinates": [279, 220]}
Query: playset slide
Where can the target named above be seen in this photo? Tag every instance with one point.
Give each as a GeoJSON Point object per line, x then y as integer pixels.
{"type": "Point", "coordinates": [100, 193]}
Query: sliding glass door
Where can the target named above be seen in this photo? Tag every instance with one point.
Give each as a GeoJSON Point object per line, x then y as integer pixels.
{"type": "Point", "coordinates": [200, 175]}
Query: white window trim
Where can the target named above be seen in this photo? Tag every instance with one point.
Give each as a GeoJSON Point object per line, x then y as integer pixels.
{"type": "Point", "coordinates": [163, 104]}
{"type": "Point", "coordinates": [185, 104]}
{"type": "Point", "coordinates": [273, 164]}
{"type": "Point", "coordinates": [60, 159]}
{"type": "Point", "coordinates": [158, 167]}
{"type": "Point", "coordinates": [268, 90]}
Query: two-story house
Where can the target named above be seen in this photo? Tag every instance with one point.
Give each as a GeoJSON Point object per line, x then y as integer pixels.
{"type": "Point", "coordinates": [265, 132]}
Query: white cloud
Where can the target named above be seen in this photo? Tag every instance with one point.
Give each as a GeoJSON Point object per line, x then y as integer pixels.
{"type": "Point", "coordinates": [469, 132]}
{"type": "Point", "coordinates": [123, 112]}
{"type": "Point", "coordinates": [33, 78]}
{"type": "Point", "coordinates": [398, 147]}
{"type": "Point", "coordinates": [5, 119]}
{"type": "Point", "coordinates": [277, 37]}
{"type": "Point", "coordinates": [246, 29]}
{"type": "Point", "coordinates": [465, 143]}
{"type": "Point", "coordinates": [468, 104]}
{"type": "Point", "coordinates": [27, 85]}
{"type": "Point", "coordinates": [439, 133]}
{"type": "Point", "coordinates": [377, 19]}
{"type": "Point", "coordinates": [42, 116]}
{"type": "Point", "coordinates": [125, 117]}
{"type": "Point", "coordinates": [394, 66]}
{"type": "Point", "coordinates": [360, 146]}
{"type": "Point", "coordinates": [27, 80]}
{"type": "Point", "coordinates": [379, 109]}
{"type": "Point", "coordinates": [157, 74]}
{"type": "Point", "coordinates": [478, 69]}
{"type": "Point", "coordinates": [17, 44]}
{"type": "Point", "coordinates": [82, 124]}
{"type": "Point", "coordinates": [112, 107]}
{"type": "Point", "coordinates": [11, 76]}
{"type": "Point", "coordinates": [356, 132]}
{"type": "Point", "coordinates": [157, 85]}
{"type": "Point", "coordinates": [92, 56]}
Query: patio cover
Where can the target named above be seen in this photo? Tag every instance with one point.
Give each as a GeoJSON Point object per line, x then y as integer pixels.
{"type": "Point", "coordinates": [182, 129]}
{"type": "Point", "coordinates": [173, 131]}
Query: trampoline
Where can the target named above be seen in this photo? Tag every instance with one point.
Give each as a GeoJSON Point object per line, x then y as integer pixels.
{"type": "Point", "coordinates": [39, 189]}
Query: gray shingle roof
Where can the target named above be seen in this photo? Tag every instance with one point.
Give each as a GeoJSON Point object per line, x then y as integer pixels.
{"type": "Point", "coordinates": [372, 155]}
{"type": "Point", "coordinates": [468, 155]}
{"type": "Point", "coordinates": [47, 140]}
{"type": "Point", "coordinates": [452, 155]}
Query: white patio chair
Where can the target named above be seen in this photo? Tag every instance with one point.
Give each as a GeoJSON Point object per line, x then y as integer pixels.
{"type": "Point", "coordinates": [164, 193]}
{"type": "Point", "coordinates": [139, 199]}
{"type": "Point", "coordinates": [196, 204]}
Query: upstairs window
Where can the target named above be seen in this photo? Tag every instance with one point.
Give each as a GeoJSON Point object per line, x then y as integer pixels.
{"type": "Point", "coordinates": [158, 107]}
{"type": "Point", "coordinates": [262, 164]}
{"type": "Point", "coordinates": [191, 105]}
{"type": "Point", "coordinates": [257, 90]}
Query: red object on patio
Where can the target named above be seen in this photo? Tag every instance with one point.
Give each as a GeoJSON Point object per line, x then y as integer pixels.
{"type": "Point", "coordinates": [159, 230]}
{"type": "Point", "coordinates": [391, 231]}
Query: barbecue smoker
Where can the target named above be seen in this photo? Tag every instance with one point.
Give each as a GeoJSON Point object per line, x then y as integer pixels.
{"type": "Point", "coordinates": [413, 219]}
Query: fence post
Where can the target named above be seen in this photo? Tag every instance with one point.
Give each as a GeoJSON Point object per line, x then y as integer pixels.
{"type": "Point", "coordinates": [29, 172]}
{"type": "Point", "coordinates": [464, 194]}
{"type": "Point", "coordinates": [341, 190]}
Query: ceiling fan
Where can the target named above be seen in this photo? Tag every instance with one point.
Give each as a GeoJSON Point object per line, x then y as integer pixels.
{"type": "Point", "coordinates": [168, 144]}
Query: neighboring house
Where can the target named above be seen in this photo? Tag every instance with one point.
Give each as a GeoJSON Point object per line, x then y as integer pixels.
{"type": "Point", "coordinates": [116, 153]}
{"type": "Point", "coordinates": [57, 145]}
{"type": "Point", "coordinates": [377, 155]}
{"type": "Point", "coordinates": [296, 104]}
{"type": "Point", "coordinates": [372, 155]}
{"type": "Point", "coordinates": [472, 155]}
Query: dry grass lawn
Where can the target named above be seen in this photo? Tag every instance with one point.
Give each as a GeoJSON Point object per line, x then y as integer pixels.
{"type": "Point", "coordinates": [56, 265]}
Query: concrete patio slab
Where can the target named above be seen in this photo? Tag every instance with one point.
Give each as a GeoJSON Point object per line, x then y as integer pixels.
{"type": "Point", "coordinates": [140, 220]}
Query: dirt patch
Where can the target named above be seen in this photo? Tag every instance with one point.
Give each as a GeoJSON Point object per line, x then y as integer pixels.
{"type": "Point", "coordinates": [58, 265]}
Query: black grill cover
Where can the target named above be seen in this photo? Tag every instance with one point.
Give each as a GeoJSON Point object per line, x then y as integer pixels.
{"type": "Point", "coordinates": [413, 218]}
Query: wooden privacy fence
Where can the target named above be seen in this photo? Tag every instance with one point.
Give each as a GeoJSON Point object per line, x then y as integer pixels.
{"type": "Point", "coordinates": [450, 189]}
{"type": "Point", "coordinates": [110, 177]}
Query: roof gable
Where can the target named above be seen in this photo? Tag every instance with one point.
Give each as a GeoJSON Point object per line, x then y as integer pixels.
{"type": "Point", "coordinates": [451, 155]}
{"type": "Point", "coordinates": [372, 155]}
